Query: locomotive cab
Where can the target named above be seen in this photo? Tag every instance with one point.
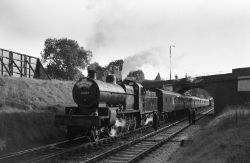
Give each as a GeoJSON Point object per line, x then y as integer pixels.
{"type": "Point", "coordinates": [137, 91]}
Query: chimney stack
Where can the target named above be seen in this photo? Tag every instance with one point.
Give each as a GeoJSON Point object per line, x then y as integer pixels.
{"type": "Point", "coordinates": [111, 79]}
{"type": "Point", "coordinates": [92, 74]}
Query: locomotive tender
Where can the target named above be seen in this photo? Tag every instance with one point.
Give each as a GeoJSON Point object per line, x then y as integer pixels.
{"type": "Point", "coordinates": [100, 104]}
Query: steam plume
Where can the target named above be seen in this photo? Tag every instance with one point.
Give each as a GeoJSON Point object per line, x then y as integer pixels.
{"type": "Point", "coordinates": [149, 119]}
{"type": "Point", "coordinates": [119, 123]}
{"type": "Point", "coordinates": [154, 57]}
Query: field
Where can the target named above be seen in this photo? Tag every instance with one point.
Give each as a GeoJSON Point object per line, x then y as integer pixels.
{"type": "Point", "coordinates": [27, 109]}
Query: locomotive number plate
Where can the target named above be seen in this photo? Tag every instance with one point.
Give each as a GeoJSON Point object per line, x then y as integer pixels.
{"type": "Point", "coordinates": [85, 93]}
{"type": "Point", "coordinates": [84, 83]}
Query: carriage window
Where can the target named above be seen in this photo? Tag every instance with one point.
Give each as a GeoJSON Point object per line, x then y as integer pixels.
{"type": "Point", "coordinates": [167, 99]}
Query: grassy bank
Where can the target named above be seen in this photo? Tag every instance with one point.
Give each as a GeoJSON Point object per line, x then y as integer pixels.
{"type": "Point", "coordinates": [225, 140]}
{"type": "Point", "coordinates": [27, 110]}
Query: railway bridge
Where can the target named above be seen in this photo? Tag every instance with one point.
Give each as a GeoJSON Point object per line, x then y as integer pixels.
{"type": "Point", "coordinates": [226, 89]}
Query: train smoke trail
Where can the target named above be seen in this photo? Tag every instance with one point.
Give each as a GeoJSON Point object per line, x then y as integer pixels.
{"type": "Point", "coordinates": [120, 25]}
{"type": "Point", "coordinates": [154, 57]}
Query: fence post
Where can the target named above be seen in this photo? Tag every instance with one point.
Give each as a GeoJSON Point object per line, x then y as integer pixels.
{"type": "Point", "coordinates": [29, 66]}
{"type": "Point", "coordinates": [21, 64]}
{"type": "Point", "coordinates": [2, 60]}
{"type": "Point", "coordinates": [25, 66]}
{"type": "Point", "coordinates": [11, 63]}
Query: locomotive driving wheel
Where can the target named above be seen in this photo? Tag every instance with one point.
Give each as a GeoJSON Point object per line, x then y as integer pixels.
{"type": "Point", "coordinates": [131, 124]}
{"type": "Point", "coordinates": [94, 134]}
{"type": "Point", "coordinates": [119, 130]}
{"type": "Point", "coordinates": [106, 132]}
{"type": "Point", "coordinates": [125, 128]}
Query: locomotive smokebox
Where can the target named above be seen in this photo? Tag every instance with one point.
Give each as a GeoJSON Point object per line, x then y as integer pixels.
{"type": "Point", "coordinates": [92, 74]}
{"type": "Point", "coordinates": [111, 79]}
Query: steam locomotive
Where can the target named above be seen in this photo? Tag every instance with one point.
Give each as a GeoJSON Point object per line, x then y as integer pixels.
{"type": "Point", "coordinates": [102, 104]}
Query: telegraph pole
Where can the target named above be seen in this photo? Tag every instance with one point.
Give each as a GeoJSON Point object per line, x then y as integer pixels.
{"type": "Point", "coordinates": [170, 60]}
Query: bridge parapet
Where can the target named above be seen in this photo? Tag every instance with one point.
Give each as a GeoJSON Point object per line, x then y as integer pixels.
{"type": "Point", "coordinates": [226, 89]}
{"type": "Point", "coordinates": [235, 75]}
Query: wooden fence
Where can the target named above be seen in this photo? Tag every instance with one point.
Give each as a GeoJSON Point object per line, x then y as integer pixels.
{"type": "Point", "coordinates": [21, 65]}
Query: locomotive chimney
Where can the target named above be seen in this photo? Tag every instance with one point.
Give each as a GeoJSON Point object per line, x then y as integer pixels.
{"type": "Point", "coordinates": [111, 79]}
{"type": "Point", "coordinates": [92, 74]}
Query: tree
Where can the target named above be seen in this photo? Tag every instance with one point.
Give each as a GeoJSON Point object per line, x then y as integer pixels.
{"type": "Point", "coordinates": [158, 77]}
{"type": "Point", "coordinates": [138, 75]}
{"type": "Point", "coordinates": [118, 63]}
{"type": "Point", "coordinates": [64, 58]}
{"type": "Point", "coordinates": [95, 66]}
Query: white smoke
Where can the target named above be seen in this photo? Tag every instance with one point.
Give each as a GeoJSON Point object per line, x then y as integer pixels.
{"type": "Point", "coordinates": [112, 132]}
{"type": "Point", "coordinates": [194, 79]}
{"type": "Point", "coordinates": [149, 119]}
{"type": "Point", "coordinates": [119, 25]}
{"type": "Point", "coordinates": [191, 79]}
{"type": "Point", "coordinates": [112, 23]}
{"type": "Point", "coordinates": [119, 123]}
{"type": "Point", "coordinates": [155, 57]}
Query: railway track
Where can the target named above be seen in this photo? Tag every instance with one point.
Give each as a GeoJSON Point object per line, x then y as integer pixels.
{"type": "Point", "coordinates": [133, 151]}
{"type": "Point", "coordinates": [55, 150]}
{"type": "Point", "coordinates": [66, 149]}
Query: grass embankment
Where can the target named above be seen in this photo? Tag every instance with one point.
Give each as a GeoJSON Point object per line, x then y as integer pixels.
{"type": "Point", "coordinates": [225, 140]}
{"type": "Point", "coordinates": [27, 110]}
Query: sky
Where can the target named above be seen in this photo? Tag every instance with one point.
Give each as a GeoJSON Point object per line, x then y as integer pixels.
{"type": "Point", "coordinates": [208, 35]}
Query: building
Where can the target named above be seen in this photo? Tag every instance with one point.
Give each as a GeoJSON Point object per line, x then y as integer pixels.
{"type": "Point", "coordinates": [111, 69]}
